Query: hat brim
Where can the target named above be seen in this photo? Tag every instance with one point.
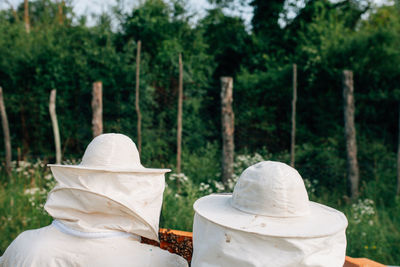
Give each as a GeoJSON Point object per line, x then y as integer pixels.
{"type": "Point", "coordinates": [100, 168]}
{"type": "Point", "coordinates": [321, 221]}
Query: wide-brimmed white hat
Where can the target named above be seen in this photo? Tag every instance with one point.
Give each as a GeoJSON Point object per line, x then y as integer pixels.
{"type": "Point", "coordinates": [270, 199]}
{"type": "Point", "coordinates": [113, 153]}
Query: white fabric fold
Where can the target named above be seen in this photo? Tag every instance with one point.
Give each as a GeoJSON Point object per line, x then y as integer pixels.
{"type": "Point", "coordinates": [93, 201]}
{"type": "Point", "coordinates": [69, 231]}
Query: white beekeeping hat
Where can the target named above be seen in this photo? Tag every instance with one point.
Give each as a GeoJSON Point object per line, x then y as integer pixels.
{"type": "Point", "coordinates": [268, 213]}
{"type": "Point", "coordinates": [113, 153]}
{"type": "Point", "coordinates": [108, 190]}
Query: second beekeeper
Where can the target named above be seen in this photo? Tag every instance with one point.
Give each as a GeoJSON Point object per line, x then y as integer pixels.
{"type": "Point", "coordinates": [267, 221]}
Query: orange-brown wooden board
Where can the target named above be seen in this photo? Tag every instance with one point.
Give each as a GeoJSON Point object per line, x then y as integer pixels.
{"type": "Point", "coordinates": [361, 262]}
{"type": "Point", "coordinates": [178, 242]}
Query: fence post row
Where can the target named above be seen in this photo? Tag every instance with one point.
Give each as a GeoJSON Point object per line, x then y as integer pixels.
{"type": "Point", "coordinates": [179, 130]}
{"type": "Point", "coordinates": [228, 128]}
{"type": "Point", "coordinates": [26, 16]}
{"type": "Point", "coordinates": [294, 100]}
{"type": "Point", "coordinates": [6, 132]}
{"type": "Point", "coordinates": [350, 133]}
{"type": "Point", "coordinates": [137, 107]}
{"type": "Point", "coordinates": [398, 158]}
{"type": "Point", "coordinates": [54, 122]}
{"type": "Point", "coordinates": [97, 108]}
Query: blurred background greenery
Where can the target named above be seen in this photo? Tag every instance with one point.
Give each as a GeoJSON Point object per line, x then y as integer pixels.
{"type": "Point", "coordinates": [322, 38]}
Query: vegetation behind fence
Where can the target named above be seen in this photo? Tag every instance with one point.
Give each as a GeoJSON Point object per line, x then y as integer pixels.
{"type": "Point", "coordinates": [58, 51]}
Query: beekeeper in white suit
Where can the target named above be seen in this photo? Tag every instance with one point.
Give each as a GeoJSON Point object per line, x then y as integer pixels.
{"type": "Point", "coordinates": [101, 208]}
{"type": "Point", "coordinates": [267, 221]}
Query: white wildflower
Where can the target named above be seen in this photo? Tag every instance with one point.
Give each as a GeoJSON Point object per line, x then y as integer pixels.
{"type": "Point", "coordinates": [219, 186]}
{"type": "Point", "coordinates": [31, 191]}
{"type": "Point", "coordinates": [181, 177]}
{"type": "Point", "coordinates": [205, 188]}
{"type": "Point", "coordinates": [363, 211]}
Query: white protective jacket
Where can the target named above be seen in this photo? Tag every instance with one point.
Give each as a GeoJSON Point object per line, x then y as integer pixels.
{"type": "Point", "coordinates": [99, 218]}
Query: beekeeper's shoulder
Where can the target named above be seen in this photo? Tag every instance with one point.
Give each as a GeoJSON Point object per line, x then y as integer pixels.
{"type": "Point", "coordinates": [24, 248]}
{"type": "Point", "coordinates": [163, 258]}
{"type": "Point", "coordinates": [172, 260]}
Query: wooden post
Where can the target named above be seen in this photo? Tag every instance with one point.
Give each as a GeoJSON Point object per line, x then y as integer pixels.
{"type": "Point", "coordinates": [350, 133]}
{"type": "Point", "coordinates": [60, 12]}
{"type": "Point", "coordinates": [53, 116]}
{"type": "Point", "coordinates": [6, 132]}
{"type": "Point", "coordinates": [398, 159]}
{"type": "Point", "coordinates": [228, 124]}
{"type": "Point", "coordinates": [139, 115]}
{"type": "Point", "coordinates": [179, 130]}
{"type": "Point", "coordinates": [293, 135]}
{"type": "Point", "coordinates": [97, 108]}
{"type": "Point", "coordinates": [26, 16]}
{"type": "Point", "coordinates": [18, 155]}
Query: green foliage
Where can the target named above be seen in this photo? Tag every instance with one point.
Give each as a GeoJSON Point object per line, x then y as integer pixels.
{"type": "Point", "coordinates": [202, 165]}
{"type": "Point", "coordinates": [322, 39]}
{"type": "Point", "coordinates": [179, 196]}
{"type": "Point", "coordinates": [22, 200]}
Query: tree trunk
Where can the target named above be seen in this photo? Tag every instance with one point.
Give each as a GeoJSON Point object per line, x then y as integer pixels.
{"type": "Point", "coordinates": [6, 132]}
{"type": "Point", "coordinates": [350, 133]}
{"type": "Point", "coordinates": [97, 109]}
{"type": "Point", "coordinates": [398, 159]}
{"type": "Point", "coordinates": [293, 135]}
{"type": "Point", "coordinates": [139, 115]}
{"type": "Point", "coordinates": [228, 127]}
{"type": "Point", "coordinates": [53, 116]}
{"type": "Point", "coordinates": [179, 130]}
{"type": "Point", "coordinates": [26, 16]}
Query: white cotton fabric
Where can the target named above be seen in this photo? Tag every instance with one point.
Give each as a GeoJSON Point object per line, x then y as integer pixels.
{"type": "Point", "coordinates": [49, 247]}
{"type": "Point", "coordinates": [112, 152]}
{"type": "Point", "coordinates": [267, 221]}
{"type": "Point", "coordinates": [218, 246]}
{"type": "Point", "coordinates": [70, 231]}
{"type": "Point", "coordinates": [93, 201]}
{"type": "Point", "coordinates": [320, 221]}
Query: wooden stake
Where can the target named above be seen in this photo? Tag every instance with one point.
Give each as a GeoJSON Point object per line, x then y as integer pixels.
{"type": "Point", "coordinates": [228, 127]}
{"type": "Point", "coordinates": [350, 133]}
{"type": "Point", "coordinates": [18, 155]}
{"type": "Point", "coordinates": [60, 12]}
{"type": "Point", "coordinates": [26, 16]}
{"type": "Point", "coordinates": [293, 135]}
{"type": "Point", "coordinates": [54, 122]}
{"type": "Point", "coordinates": [179, 130]}
{"type": "Point", "coordinates": [139, 115]}
{"type": "Point", "coordinates": [6, 132]}
{"type": "Point", "coordinates": [398, 159]}
{"type": "Point", "coordinates": [97, 108]}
